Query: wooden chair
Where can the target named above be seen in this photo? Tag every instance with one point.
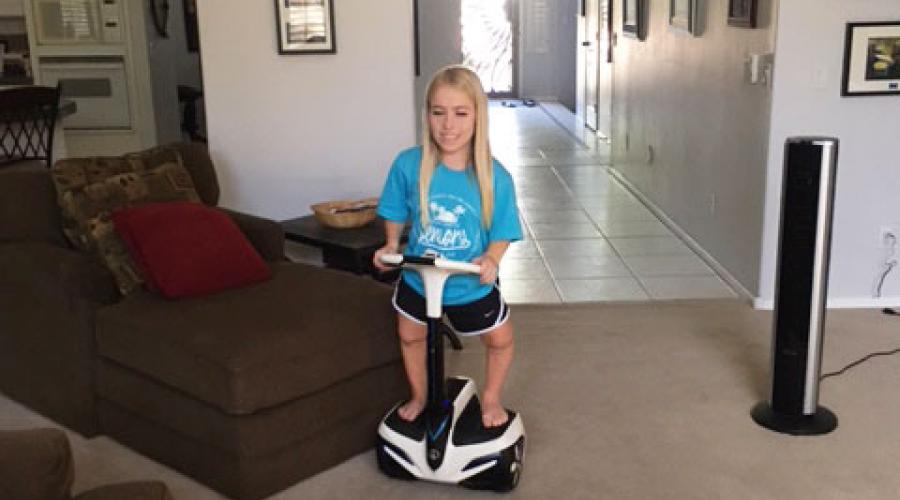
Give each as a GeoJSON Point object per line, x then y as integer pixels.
{"type": "Point", "coordinates": [27, 119]}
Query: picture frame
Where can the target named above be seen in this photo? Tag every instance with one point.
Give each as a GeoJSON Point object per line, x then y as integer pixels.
{"type": "Point", "coordinates": [417, 52]}
{"type": "Point", "coordinates": [305, 26]}
{"type": "Point", "coordinates": [742, 13]}
{"type": "Point", "coordinates": [683, 15]}
{"type": "Point", "coordinates": [634, 20]}
{"type": "Point", "coordinates": [191, 25]}
{"type": "Point", "coordinates": [871, 59]}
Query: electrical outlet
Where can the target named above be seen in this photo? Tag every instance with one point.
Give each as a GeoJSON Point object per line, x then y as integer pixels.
{"type": "Point", "coordinates": [887, 236]}
{"type": "Point", "coordinates": [651, 155]}
{"type": "Point", "coordinates": [713, 202]}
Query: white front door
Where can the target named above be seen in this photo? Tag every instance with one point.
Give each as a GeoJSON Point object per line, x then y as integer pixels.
{"type": "Point", "coordinates": [603, 96]}
{"type": "Point", "coordinates": [591, 44]}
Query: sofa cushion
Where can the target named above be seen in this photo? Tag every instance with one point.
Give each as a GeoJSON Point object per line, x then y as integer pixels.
{"type": "Point", "coordinates": [90, 189]}
{"type": "Point", "coordinates": [195, 157]}
{"type": "Point", "coordinates": [188, 249]}
{"type": "Point", "coordinates": [371, 392]}
{"type": "Point", "coordinates": [256, 347]}
{"type": "Point", "coordinates": [35, 464]}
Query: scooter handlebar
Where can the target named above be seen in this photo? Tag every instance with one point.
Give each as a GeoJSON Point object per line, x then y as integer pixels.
{"type": "Point", "coordinates": [393, 259]}
{"type": "Point", "coordinates": [396, 259]}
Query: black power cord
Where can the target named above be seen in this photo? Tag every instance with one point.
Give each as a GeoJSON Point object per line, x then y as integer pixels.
{"type": "Point", "coordinates": [886, 310]}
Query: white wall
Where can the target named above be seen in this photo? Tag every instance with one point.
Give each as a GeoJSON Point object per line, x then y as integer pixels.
{"type": "Point", "coordinates": [547, 55]}
{"type": "Point", "coordinates": [807, 101]}
{"type": "Point", "coordinates": [688, 98]}
{"type": "Point", "coordinates": [286, 131]}
{"type": "Point", "coordinates": [567, 19]}
{"type": "Point", "coordinates": [440, 44]}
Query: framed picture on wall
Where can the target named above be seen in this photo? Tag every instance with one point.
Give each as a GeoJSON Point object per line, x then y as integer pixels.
{"type": "Point", "coordinates": [742, 13]}
{"type": "Point", "coordinates": [683, 15]}
{"type": "Point", "coordinates": [191, 27]}
{"type": "Point", "coordinates": [305, 26]}
{"type": "Point", "coordinates": [871, 59]}
{"type": "Point", "coordinates": [634, 21]}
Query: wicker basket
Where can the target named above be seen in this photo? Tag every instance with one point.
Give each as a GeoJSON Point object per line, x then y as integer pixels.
{"type": "Point", "coordinates": [345, 214]}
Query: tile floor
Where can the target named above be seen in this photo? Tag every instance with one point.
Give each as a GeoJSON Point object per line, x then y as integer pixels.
{"type": "Point", "coordinates": [587, 237]}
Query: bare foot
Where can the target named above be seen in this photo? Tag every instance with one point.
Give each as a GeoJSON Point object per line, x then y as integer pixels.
{"type": "Point", "coordinates": [411, 410]}
{"type": "Point", "coordinates": [493, 414]}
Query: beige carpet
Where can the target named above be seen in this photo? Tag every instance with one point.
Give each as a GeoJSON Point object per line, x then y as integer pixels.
{"type": "Point", "coordinates": [635, 401]}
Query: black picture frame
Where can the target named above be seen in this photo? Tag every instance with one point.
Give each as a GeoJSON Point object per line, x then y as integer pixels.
{"type": "Point", "coordinates": [683, 15]}
{"type": "Point", "coordinates": [191, 25]}
{"type": "Point", "coordinates": [742, 13]}
{"type": "Point", "coordinates": [871, 59]}
{"type": "Point", "coordinates": [417, 53]}
{"type": "Point", "coordinates": [305, 26]}
{"type": "Point", "coordinates": [634, 19]}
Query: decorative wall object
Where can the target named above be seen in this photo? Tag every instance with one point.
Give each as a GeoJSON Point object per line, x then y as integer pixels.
{"type": "Point", "coordinates": [683, 15]}
{"type": "Point", "coordinates": [742, 13]}
{"type": "Point", "coordinates": [417, 55]}
{"type": "Point", "coordinates": [159, 13]}
{"type": "Point", "coordinates": [305, 26]}
{"type": "Point", "coordinates": [191, 26]}
{"type": "Point", "coordinates": [872, 59]}
{"type": "Point", "coordinates": [634, 19]}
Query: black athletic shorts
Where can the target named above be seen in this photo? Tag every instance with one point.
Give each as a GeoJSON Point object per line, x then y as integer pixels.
{"type": "Point", "coordinates": [473, 318]}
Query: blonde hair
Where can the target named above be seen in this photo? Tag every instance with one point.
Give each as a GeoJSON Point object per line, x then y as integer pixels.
{"type": "Point", "coordinates": [465, 80]}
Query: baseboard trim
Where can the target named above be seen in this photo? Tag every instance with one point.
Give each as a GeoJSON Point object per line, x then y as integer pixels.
{"type": "Point", "coordinates": [757, 302]}
{"type": "Point", "coordinates": [723, 273]}
{"type": "Point", "coordinates": [841, 303]}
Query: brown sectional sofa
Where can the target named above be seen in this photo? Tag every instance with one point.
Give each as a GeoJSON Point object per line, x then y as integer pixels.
{"type": "Point", "coordinates": [247, 390]}
{"type": "Point", "coordinates": [37, 464]}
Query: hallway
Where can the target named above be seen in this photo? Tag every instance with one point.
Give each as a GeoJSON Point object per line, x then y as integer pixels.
{"type": "Point", "coordinates": [587, 237]}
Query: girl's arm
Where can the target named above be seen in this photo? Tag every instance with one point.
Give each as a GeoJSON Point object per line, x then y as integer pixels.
{"type": "Point", "coordinates": [496, 250]}
{"type": "Point", "coordinates": [392, 232]}
{"type": "Point", "coordinates": [490, 261]}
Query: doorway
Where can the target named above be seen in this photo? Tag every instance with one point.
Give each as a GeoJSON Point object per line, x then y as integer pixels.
{"type": "Point", "coordinates": [591, 61]}
{"type": "Point", "coordinates": [173, 53]}
{"type": "Point", "coordinates": [488, 31]}
{"type": "Point", "coordinates": [597, 65]}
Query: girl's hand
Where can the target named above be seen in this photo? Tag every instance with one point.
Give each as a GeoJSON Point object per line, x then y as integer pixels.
{"type": "Point", "coordinates": [489, 268]}
{"type": "Point", "coordinates": [376, 259]}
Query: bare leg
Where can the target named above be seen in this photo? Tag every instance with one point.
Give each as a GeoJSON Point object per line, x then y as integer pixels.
{"type": "Point", "coordinates": [499, 344]}
{"type": "Point", "coordinates": [413, 347]}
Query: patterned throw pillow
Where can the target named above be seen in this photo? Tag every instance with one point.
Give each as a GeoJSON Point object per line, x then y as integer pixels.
{"type": "Point", "coordinates": [90, 189]}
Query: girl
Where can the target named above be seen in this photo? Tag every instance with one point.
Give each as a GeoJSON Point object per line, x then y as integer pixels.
{"type": "Point", "coordinates": [461, 203]}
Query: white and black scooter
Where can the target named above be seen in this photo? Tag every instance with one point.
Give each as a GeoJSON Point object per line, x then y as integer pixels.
{"type": "Point", "coordinates": [448, 443]}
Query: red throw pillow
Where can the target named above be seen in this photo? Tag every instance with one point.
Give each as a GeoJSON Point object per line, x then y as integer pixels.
{"type": "Point", "coordinates": [189, 249]}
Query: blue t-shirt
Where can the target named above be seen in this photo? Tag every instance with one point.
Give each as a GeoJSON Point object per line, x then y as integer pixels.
{"type": "Point", "coordinates": [455, 231]}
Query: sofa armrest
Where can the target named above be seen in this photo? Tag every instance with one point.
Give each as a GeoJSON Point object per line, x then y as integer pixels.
{"type": "Point", "coordinates": [49, 296]}
{"type": "Point", "coordinates": [265, 235]}
{"type": "Point", "coordinates": [35, 464]}
{"type": "Point", "coordinates": [46, 270]}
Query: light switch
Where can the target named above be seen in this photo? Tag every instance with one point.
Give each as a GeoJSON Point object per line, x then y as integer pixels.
{"type": "Point", "coordinates": [760, 68]}
{"type": "Point", "coordinates": [820, 80]}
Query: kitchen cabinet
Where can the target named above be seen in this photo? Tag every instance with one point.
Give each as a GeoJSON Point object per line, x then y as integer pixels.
{"type": "Point", "coordinates": [12, 8]}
